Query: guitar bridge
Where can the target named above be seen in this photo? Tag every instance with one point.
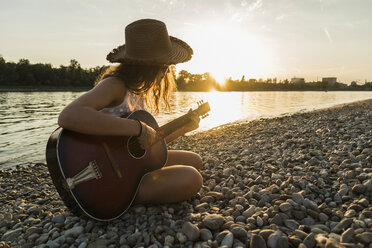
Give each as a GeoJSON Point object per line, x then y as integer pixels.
{"type": "Point", "coordinates": [88, 173]}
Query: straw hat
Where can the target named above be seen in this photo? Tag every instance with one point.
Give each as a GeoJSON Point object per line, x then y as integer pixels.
{"type": "Point", "coordinates": [147, 42]}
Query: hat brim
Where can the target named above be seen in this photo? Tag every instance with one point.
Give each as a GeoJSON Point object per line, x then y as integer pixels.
{"type": "Point", "coordinates": [181, 52]}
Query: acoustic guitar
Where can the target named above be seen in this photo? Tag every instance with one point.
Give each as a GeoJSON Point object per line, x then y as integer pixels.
{"type": "Point", "coordinates": [100, 175]}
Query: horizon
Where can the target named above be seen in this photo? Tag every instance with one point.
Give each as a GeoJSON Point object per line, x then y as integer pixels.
{"type": "Point", "coordinates": [264, 80]}
{"type": "Point", "coordinates": [258, 38]}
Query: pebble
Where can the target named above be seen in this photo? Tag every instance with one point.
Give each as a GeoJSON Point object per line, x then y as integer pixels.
{"type": "Point", "coordinates": [239, 232]}
{"type": "Point", "coordinates": [191, 231]}
{"type": "Point", "coordinates": [323, 217]}
{"type": "Point", "coordinates": [285, 206]}
{"type": "Point", "coordinates": [332, 243]}
{"type": "Point", "coordinates": [257, 242]}
{"type": "Point", "coordinates": [59, 218]}
{"type": "Point", "coordinates": [213, 221]}
{"type": "Point", "coordinates": [228, 240]}
{"type": "Point", "coordinates": [75, 231]}
{"type": "Point", "coordinates": [181, 237]}
{"type": "Point", "coordinates": [368, 185]}
{"type": "Point", "coordinates": [298, 198]}
{"type": "Point", "coordinates": [365, 238]}
{"type": "Point", "coordinates": [169, 240]}
{"type": "Point", "coordinates": [259, 221]}
{"type": "Point", "coordinates": [277, 220]}
{"type": "Point", "coordinates": [291, 224]}
{"type": "Point", "coordinates": [309, 241]}
{"type": "Point", "coordinates": [347, 236]}
{"type": "Point", "coordinates": [337, 198]}
{"type": "Point", "coordinates": [301, 234]}
{"type": "Point", "coordinates": [98, 243]}
{"type": "Point", "coordinates": [265, 233]}
{"type": "Point", "coordinates": [206, 234]}
{"type": "Point", "coordinates": [11, 234]}
{"type": "Point", "coordinates": [358, 189]}
{"type": "Point", "coordinates": [342, 225]}
{"type": "Point", "coordinates": [282, 242]}
{"type": "Point", "coordinates": [308, 221]}
{"type": "Point", "coordinates": [272, 240]}
{"type": "Point", "coordinates": [249, 212]}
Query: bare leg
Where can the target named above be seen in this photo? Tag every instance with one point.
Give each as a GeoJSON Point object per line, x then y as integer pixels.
{"type": "Point", "coordinates": [179, 157]}
{"type": "Point", "coordinates": [169, 184]}
{"type": "Point", "coordinates": [177, 181]}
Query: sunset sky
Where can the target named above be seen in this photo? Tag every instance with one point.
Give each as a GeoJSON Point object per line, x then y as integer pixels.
{"type": "Point", "coordinates": [255, 38]}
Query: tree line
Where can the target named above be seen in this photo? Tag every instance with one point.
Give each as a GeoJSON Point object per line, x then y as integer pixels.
{"type": "Point", "coordinates": [23, 73]}
{"type": "Point", "coordinates": [204, 82]}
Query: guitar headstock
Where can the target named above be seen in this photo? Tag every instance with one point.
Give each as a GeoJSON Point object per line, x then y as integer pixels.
{"type": "Point", "coordinates": [203, 109]}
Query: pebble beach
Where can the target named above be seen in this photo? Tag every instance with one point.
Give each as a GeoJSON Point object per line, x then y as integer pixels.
{"type": "Point", "coordinates": [303, 180]}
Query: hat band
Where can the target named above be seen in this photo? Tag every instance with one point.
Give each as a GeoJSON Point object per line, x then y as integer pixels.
{"type": "Point", "coordinates": [146, 52]}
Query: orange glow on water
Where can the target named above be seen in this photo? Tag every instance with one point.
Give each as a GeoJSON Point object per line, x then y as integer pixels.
{"type": "Point", "coordinates": [224, 106]}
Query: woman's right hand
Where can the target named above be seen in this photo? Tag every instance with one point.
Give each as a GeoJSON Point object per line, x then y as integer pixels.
{"type": "Point", "coordinates": [147, 137]}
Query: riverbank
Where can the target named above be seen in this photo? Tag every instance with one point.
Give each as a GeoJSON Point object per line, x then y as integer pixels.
{"type": "Point", "coordinates": [303, 180]}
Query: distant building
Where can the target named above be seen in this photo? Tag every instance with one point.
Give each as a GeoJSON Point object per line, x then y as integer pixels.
{"type": "Point", "coordinates": [297, 80]}
{"type": "Point", "coordinates": [329, 80]}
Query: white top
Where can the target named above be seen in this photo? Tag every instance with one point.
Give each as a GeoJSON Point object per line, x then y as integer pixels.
{"type": "Point", "coordinates": [131, 103]}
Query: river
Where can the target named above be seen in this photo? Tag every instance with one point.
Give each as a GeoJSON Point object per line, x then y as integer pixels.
{"type": "Point", "coordinates": [28, 118]}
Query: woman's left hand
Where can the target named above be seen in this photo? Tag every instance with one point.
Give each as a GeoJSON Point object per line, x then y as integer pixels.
{"type": "Point", "coordinates": [193, 123]}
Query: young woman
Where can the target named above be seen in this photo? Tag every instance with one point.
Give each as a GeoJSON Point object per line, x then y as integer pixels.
{"type": "Point", "coordinates": [142, 78]}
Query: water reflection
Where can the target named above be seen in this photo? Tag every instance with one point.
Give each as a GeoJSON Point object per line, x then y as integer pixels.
{"type": "Point", "coordinates": [27, 119]}
{"type": "Point", "coordinates": [224, 106]}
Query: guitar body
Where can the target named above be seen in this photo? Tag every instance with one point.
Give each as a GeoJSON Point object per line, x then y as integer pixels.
{"type": "Point", "coordinates": [100, 175]}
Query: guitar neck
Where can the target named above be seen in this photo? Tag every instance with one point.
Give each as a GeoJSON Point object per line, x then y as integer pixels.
{"type": "Point", "coordinates": [174, 125]}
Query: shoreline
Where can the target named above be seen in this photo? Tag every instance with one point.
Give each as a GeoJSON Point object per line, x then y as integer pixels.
{"type": "Point", "coordinates": [21, 88]}
{"type": "Point", "coordinates": [289, 181]}
{"type": "Point", "coordinates": [243, 122]}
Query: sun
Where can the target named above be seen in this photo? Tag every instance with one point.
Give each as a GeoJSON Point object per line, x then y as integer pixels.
{"type": "Point", "coordinates": [229, 51]}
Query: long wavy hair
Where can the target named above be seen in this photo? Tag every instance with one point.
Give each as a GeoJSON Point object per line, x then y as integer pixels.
{"type": "Point", "coordinates": [152, 82]}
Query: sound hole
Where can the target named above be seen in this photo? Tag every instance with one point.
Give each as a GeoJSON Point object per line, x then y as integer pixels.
{"type": "Point", "coordinates": [135, 149]}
